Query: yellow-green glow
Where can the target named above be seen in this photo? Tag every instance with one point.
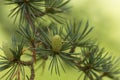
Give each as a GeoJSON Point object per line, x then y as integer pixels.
{"type": "Point", "coordinates": [2, 37]}
{"type": "Point", "coordinates": [104, 15]}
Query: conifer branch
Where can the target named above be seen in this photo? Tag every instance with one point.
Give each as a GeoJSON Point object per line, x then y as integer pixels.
{"type": "Point", "coordinates": [53, 43]}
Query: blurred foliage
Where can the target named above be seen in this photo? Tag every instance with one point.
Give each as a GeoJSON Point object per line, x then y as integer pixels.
{"type": "Point", "coordinates": [104, 15]}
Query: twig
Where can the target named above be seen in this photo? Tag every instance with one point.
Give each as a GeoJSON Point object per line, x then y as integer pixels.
{"type": "Point", "coordinates": [30, 21]}
{"type": "Point", "coordinates": [26, 63]}
{"type": "Point", "coordinates": [32, 72]}
{"type": "Point", "coordinates": [72, 49]}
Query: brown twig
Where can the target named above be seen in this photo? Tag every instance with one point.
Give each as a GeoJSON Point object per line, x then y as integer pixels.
{"type": "Point", "coordinates": [29, 20]}
{"type": "Point", "coordinates": [26, 63]}
{"type": "Point", "coordinates": [31, 64]}
{"type": "Point", "coordinates": [32, 72]}
{"type": "Point", "coordinates": [72, 49]}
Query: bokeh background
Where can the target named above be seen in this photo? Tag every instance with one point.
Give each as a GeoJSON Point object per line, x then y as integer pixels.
{"type": "Point", "coordinates": [104, 15]}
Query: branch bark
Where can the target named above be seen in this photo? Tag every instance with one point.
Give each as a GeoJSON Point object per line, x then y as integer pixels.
{"type": "Point", "coordinates": [32, 72]}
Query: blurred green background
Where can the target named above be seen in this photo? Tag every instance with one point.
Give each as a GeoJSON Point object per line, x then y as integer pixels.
{"type": "Point", "coordinates": [104, 15]}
